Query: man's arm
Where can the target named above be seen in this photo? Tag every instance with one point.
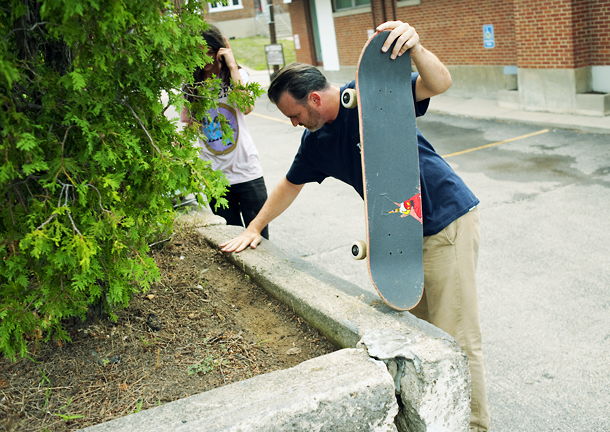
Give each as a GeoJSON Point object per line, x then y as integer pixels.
{"type": "Point", "coordinates": [280, 199]}
{"type": "Point", "coordinates": [434, 78]}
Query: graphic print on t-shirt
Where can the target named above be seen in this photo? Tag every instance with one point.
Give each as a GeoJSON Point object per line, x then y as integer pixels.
{"type": "Point", "coordinates": [212, 130]}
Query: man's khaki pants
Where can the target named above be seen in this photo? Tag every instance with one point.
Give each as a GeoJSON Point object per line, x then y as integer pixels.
{"type": "Point", "coordinates": [450, 300]}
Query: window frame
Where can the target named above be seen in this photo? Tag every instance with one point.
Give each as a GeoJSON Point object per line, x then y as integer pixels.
{"type": "Point", "coordinates": [353, 7]}
{"type": "Point", "coordinates": [403, 3]}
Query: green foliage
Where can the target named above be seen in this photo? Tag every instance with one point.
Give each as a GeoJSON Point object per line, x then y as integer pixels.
{"type": "Point", "coordinates": [206, 365]}
{"type": "Point", "coordinates": [47, 382]}
{"type": "Point", "coordinates": [138, 407]}
{"type": "Point", "coordinates": [68, 417]}
{"type": "Point", "coordinates": [203, 367]}
{"type": "Point", "coordinates": [251, 51]}
{"type": "Point", "coordinates": [89, 161]}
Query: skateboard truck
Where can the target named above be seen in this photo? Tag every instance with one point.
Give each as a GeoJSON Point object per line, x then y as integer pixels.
{"type": "Point", "coordinates": [349, 99]}
{"type": "Point", "coordinates": [359, 250]}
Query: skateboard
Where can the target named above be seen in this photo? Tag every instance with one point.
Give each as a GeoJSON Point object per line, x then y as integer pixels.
{"type": "Point", "coordinates": [390, 165]}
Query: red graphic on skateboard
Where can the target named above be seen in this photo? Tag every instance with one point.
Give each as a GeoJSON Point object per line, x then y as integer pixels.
{"type": "Point", "coordinates": [410, 207]}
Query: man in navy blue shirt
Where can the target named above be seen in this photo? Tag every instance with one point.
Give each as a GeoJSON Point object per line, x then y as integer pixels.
{"type": "Point", "coordinates": [330, 148]}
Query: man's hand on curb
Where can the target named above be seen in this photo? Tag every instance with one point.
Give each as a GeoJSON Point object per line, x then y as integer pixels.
{"type": "Point", "coordinates": [241, 242]}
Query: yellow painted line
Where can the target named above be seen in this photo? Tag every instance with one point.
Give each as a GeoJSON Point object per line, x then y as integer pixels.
{"type": "Point", "coordinates": [496, 143]}
{"type": "Point", "coordinates": [445, 156]}
{"type": "Point", "coordinates": [271, 118]}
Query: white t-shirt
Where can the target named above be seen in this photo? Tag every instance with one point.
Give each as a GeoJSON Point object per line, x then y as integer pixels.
{"type": "Point", "coordinates": [238, 159]}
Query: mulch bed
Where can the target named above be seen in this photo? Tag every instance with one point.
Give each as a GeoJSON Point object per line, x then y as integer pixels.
{"type": "Point", "coordinates": [204, 325]}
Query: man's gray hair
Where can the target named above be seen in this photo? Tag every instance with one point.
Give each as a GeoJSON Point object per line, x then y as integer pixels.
{"type": "Point", "coordinates": [299, 80]}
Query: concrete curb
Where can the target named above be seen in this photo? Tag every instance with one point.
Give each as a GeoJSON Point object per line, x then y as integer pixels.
{"type": "Point", "coordinates": [425, 373]}
{"type": "Point", "coordinates": [319, 394]}
{"type": "Point", "coordinates": [430, 370]}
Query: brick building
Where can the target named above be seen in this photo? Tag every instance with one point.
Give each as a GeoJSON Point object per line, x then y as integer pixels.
{"type": "Point", "coordinates": [546, 55]}
{"type": "Point", "coordinates": [245, 18]}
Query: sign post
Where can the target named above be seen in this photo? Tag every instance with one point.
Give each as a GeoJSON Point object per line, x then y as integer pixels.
{"type": "Point", "coordinates": [275, 56]}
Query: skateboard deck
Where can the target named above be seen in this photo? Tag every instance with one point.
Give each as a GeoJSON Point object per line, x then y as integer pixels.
{"type": "Point", "coordinates": [390, 164]}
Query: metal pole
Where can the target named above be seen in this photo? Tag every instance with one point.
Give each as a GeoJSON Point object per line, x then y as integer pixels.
{"type": "Point", "coordinates": [272, 35]}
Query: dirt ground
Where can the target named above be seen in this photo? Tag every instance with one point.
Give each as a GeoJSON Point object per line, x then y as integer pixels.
{"type": "Point", "coordinates": [204, 325]}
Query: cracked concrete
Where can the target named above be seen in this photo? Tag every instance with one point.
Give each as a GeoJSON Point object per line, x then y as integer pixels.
{"type": "Point", "coordinates": [395, 373]}
{"type": "Point", "coordinates": [433, 382]}
{"type": "Point", "coordinates": [432, 388]}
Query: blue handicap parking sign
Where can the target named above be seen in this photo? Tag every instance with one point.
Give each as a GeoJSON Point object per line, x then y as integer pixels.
{"type": "Point", "coordinates": [488, 36]}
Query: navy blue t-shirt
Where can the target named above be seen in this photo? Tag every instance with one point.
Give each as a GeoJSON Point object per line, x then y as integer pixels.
{"type": "Point", "coordinates": [334, 151]}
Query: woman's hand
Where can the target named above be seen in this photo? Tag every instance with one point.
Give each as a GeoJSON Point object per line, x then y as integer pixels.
{"type": "Point", "coordinates": [225, 55]}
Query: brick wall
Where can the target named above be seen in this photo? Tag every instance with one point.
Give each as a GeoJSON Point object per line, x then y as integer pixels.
{"type": "Point", "coordinates": [453, 30]}
{"type": "Point", "coordinates": [559, 34]}
{"type": "Point", "coordinates": [600, 32]}
{"type": "Point", "coordinates": [545, 33]}
{"type": "Point", "coordinates": [299, 17]}
{"type": "Point", "coordinates": [581, 32]}
{"type": "Point", "coordinates": [531, 34]}
{"type": "Point", "coordinates": [351, 33]}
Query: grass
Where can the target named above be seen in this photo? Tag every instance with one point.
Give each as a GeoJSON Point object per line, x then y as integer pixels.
{"type": "Point", "coordinates": [250, 51]}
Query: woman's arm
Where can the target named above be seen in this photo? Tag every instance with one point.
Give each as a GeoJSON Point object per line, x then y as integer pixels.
{"type": "Point", "coordinates": [226, 56]}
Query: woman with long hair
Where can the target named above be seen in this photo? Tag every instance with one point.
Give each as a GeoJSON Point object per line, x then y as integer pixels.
{"type": "Point", "coordinates": [237, 159]}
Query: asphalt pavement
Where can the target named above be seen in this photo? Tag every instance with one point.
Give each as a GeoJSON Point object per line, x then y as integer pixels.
{"type": "Point", "coordinates": [544, 266]}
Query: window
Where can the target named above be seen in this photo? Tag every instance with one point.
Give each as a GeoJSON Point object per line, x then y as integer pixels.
{"type": "Point", "coordinates": [225, 5]}
{"type": "Point", "coordinates": [350, 4]}
{"type": "Point", "coordinates": [401, 3]}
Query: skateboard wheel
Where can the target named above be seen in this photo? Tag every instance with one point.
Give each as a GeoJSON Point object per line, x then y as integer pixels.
{"type": "Point", "coordinates": [349, 98]}
{"type": "Point", "coordinates": [359, 250]}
